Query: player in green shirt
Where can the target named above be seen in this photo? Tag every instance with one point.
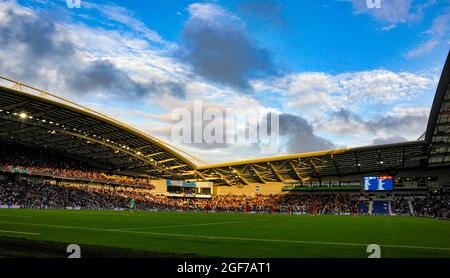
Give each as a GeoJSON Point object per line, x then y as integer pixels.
{"type": "Point", "coordinates": [132, 205]}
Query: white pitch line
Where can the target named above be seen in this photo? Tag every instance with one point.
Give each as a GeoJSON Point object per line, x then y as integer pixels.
{"type": "Point", "coordinates": [20, 216]}
{"type": "Point", "coordinates": [290, 241]}
{"type": "Point", "coordinates": [17, 232]}
{"type": "Point", "coordinates": [107, 214]}
{"type": "Point", "coordinates": [54, 226]}
{"type": "Point", "coordinates": [234, 238]}
{"type": "Point", "coordinates": [188, 225]}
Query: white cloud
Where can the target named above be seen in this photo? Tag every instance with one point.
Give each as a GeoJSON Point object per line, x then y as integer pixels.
{"type": "Point", "coordinates": [123, 16]}
{"type": "Point", "coordinates": [316, 94]}
{"type": "Point", "coordinates": [210, 12]}
{"type": "Point", "coordinates": [146, 58]}
{"type": "Point", "coordinates": [393, 12]}
{"type": "Point", "coordinates": [438, 34]}
{"type": "Point", "coordinates": [404, 111]}
{"type": "Point", "coordinates": [138, 53]}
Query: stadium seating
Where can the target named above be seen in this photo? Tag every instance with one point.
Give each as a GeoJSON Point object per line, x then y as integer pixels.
{"type": "Point", "coordinates": [362, 207]}
{"type": "Point", "coordinates": [16, 191]}
{"type": "Point", "coordinates": [19, 159]}
{"type": "Point", "coordinates": [27, 194]}
{"type": "Point", "coordinates": [437, 204]}
{"type": "Point", "coordinates": [400, 206]}
{"type": "Point", "coordinates": [380, 207]}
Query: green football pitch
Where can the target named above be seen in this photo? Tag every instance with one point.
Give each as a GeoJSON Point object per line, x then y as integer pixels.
{"type": "Point", "coordinates": [223, 234]}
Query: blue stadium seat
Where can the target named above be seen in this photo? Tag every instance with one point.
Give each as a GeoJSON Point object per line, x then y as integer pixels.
{"type": "Point", "coordinates": [362, 207]}
{"type": "Point", "coordinates": [380, 207]}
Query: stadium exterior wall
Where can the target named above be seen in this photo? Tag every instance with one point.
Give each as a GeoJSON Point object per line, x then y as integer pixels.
{"type": "Point", "coordinates": [250, 190]}
{"type": "Point", "coordinates": [160, 186]}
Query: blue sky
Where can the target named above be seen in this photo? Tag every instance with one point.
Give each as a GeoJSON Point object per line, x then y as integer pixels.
{"type": "Point", "coordinates": [323, 35]}
{"type": "Point", "coordinates": [338, 73]}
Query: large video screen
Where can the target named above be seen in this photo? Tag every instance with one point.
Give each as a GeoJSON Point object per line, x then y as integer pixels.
{"type": "Point", "coordinates": [176, 183]}
{"type": "Point", "coordinates": [382, 183]}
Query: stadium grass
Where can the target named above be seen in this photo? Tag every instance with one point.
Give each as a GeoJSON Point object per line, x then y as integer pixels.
{"type": "Point", "coordinates": [230, 234]}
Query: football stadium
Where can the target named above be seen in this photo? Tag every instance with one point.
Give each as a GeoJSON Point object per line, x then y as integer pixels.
{"type": "Point", "coordinates": [71, 175]}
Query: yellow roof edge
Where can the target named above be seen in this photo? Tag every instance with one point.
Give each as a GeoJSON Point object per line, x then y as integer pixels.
{"type": "Point", "coordinates": [172, 149]}
{"type": "Point", "coordinates": [303, 155]}
{"type": "Point", "coordinates": [71, 105]}
{"type": "Point", "coordinates": [274, 158]}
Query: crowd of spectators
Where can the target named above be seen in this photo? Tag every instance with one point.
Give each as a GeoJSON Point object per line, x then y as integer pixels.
{"type": "Point", "coordinates": [340, 203]}
{"type": "Point", "coordinates": [45, 196]}
{"type": "Point", "coordinates": [17, 159]}
{"type": "Point", "coordinates": [400, 206]}
{"type": "Point", "coordinates": [37, 195]}
{"type": "Point", "coordinates": [278, 203]}
{"type": "Point", "coordinates": [435, 205]}
{"type": "Point", "coordinates": [28, 194]}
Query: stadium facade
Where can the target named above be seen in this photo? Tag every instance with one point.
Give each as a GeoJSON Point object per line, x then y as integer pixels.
{"type": "Point", "coordinates": [35, 118]}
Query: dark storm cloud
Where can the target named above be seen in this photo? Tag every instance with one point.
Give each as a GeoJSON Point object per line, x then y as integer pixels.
{"type": "Point", "coordinates": [348, 118]}
{"type": "Point", "coordinates": [390, 122]}
{"type": "Point", "coordinates": [36, 34]}
{"type": "Point", "coordinates": [104, 76]}
{"type": "Point", "coordinates": [266, 10]}
{"type": "Point", "coordinates": [35, 38]}
{"type": "Point", "coordinates": [294, 131]}
{"type": "Point", "coordinates": [395, 125]}
{"type": "Point", "coordinates": [300, 135]}
{"type": "Point", "coordinates": [222, 51]}
{"type": "Point", "coordinates": [389, 140]}
{"type": "Point", "coordinates": [44, 49]}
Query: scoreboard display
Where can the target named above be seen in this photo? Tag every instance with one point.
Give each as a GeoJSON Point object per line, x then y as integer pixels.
{"type": "Point", "coordinates": [380, 183]}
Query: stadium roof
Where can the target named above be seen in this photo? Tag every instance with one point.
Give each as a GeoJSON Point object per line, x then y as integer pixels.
{"type": "Point", "coordinates": [38, 118]}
